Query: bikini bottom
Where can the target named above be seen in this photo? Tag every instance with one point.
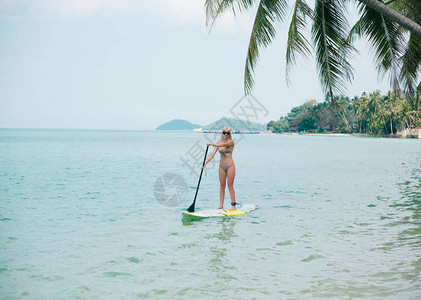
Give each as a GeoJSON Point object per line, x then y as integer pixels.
{"type": "Point", "coordinates": [226, 168]}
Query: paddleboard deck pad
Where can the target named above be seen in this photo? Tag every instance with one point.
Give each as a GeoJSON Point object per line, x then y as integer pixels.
{"type": "Point", "coordinates": [215, 213]}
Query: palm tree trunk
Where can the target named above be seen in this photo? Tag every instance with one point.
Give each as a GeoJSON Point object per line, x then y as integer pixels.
{"type": "Point", "coordinates": [391, 126]}
{"type": "Point", "coordinates": [345, 121]}
{"type": "Point", "coordinates": [394, 16]}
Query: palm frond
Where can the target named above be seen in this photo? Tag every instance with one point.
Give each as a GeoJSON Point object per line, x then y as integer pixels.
{"type": "Point", "coordinates": [411, 59]}
{"type": "Point", "coordinates": [355, 32]}
{"type": "Point", "coordinates": [297, 42]}
{"type": "Point", "coordinates": [386, 40]}
{"type": "Point", "coordinates": [329, 33]}
{"type": "Point", "coordinates": [215, 8]}
{"type": "Point", "coordinates": [409, 8]}
{"type": "Point", "coordinates": [411, 65]}
{"type": "Point", "coordinates": [262, 34]}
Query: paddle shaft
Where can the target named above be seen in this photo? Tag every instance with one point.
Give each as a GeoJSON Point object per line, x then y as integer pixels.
{"type": "Point", "coordinates": [191, 208]}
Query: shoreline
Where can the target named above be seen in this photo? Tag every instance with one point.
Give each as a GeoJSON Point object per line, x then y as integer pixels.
{"type": "Point", "coordinates": [406, 134]}
{"type": "Point", "coordinates": [394, 136]}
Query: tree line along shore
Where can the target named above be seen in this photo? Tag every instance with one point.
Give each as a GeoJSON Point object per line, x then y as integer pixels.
{"type": "Point", "coordinates": [372, 114]}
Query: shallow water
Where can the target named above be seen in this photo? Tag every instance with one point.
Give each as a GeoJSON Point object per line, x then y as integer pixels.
{"type": "Point", "coordinates": [338, 217]}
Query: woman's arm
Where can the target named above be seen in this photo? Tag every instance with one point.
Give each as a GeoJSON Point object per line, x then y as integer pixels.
{"type": "Point", "coordinates": [210, 157]}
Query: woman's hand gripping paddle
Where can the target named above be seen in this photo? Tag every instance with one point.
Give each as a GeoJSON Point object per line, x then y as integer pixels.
{"type": "Point", "coordinates": [191, 208]}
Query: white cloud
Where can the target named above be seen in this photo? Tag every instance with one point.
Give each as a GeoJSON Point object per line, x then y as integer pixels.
{"type": "Point", "coordinates": [171, 11]}
{"type": "Point", "coordinates": [76, 7]}
{"type": "Point", "coordinates": [189, 10]}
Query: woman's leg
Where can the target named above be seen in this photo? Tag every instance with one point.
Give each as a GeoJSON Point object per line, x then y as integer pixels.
{"type": "Point", "coordinates": [231, 176]}
{"type": "Point", "coordinates": [222, 181]}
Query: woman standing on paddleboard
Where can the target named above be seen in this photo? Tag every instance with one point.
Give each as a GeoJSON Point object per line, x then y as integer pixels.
{"type": "Point", "coordinates": [226, 166]}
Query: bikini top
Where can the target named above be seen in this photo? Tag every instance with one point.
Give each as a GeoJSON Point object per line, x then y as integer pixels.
{"type": "Point", "coordinates": [226, 150]}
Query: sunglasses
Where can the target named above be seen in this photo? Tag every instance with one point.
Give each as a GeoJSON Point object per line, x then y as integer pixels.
{"type": "Point", "coordinates": [226, 132]}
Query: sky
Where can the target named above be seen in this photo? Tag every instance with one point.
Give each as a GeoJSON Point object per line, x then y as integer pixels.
{"type": "Point", "coordinates": [134, 65]}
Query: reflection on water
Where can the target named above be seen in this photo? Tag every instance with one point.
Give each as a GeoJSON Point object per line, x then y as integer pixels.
{"type": "Point", "coordinates": [218, 250]}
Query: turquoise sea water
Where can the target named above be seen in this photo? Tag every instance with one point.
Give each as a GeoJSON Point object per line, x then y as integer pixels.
{"type": "Point", "coordinates": [338, 217]}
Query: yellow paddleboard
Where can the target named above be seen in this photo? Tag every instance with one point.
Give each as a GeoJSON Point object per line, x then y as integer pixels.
{"type": "Point", "coordinates": [234, 212]}
{"type": "Point", "coordinates": [212, 213]}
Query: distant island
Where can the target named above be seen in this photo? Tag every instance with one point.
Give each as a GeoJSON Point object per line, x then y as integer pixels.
{"type": "Point", "coordinates": [178, 124]}
{"type": "Point", "coordinates": [236, 125]}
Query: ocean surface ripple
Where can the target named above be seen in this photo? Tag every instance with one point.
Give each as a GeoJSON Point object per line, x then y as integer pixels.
{"type": "Point", "coordinates": [338, 217]}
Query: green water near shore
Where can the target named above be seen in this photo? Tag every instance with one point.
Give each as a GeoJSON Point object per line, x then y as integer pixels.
{"type": "Point", "coordinates": [338, 217]}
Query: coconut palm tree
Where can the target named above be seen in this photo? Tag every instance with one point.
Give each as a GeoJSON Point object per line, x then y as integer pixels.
{"type": "Point", "coordinates": [385, 27]}
{"type": "Point", "coordinates": [396, 54]}
{"type": "Point", "coordinates": [361, 110]}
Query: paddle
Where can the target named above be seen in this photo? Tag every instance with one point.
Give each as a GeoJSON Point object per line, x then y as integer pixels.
{"type": "Point", "coordinates": [191, 208]}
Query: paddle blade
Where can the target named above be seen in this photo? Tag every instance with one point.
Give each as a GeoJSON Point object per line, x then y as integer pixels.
{"type": "Point", "coordinates": [191, 208]}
